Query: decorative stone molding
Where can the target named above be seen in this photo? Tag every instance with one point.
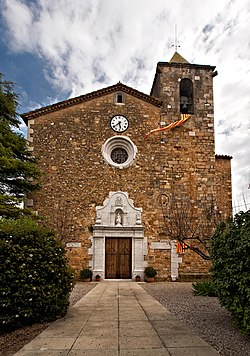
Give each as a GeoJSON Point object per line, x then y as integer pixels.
{"type": "Point", "coordinates": [105, 215]}
{"type": "Point", "coordinates": [125, 145]}
{"type": "Point", "coordinates": [107, 225]}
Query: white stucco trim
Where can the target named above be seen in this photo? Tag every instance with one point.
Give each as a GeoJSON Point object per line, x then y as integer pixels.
{"type": "Point", "coordinates": [106, 226]}
{"type": "Point", "coordinates": [175, 261]}
{"type": "Point", "coordinates": [119, 142]}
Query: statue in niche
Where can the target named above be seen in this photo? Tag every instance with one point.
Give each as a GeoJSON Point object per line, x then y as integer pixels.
{"type": "Point", "coordinates": [118, 219]}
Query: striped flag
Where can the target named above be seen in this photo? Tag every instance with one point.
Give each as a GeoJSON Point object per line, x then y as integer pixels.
{"type": "Point", "coordinates": [181, 247]}
{"type": "Point", "coordinates": [184, 117]}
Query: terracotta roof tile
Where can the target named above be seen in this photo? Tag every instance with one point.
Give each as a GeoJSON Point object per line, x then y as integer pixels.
{"type": "Point", "coordinates": [223, 156]}
{"type": "Point", "coordinates": [79, 99]}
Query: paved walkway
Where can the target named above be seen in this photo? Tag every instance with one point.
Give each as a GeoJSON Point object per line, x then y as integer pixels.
{"type": "Point", "coordinates": [118, 318]}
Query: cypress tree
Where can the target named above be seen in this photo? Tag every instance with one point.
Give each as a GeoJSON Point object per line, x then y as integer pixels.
{"type": "Point", "coordinates": [18, 168]}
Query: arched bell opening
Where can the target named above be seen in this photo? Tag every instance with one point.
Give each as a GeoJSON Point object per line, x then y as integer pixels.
{"type": "Point", "coordinates": [186, 96]}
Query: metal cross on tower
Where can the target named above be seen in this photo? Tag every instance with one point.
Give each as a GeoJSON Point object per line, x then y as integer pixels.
{"type": "Point", "coordinates": [176, 42]}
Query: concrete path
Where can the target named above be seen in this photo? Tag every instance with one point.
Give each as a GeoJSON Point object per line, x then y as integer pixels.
{"type": "Point", "coordinates": [118, 318]}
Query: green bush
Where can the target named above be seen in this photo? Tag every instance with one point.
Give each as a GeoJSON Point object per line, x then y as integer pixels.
{"type": "Point", "coordinates": [230, 252]}
{"type": "Point", "coordinates": [205, 288]}
{"type": "Point", "coordinates": [150, 272]}
{"type": "Point", "coordinates": [35, 278]}
{"type": "Point", "coordinates": [86, 273]}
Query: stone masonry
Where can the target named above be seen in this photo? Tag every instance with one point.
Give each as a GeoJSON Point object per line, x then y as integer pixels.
{"type": "Point", "coordinates": [68, 139]}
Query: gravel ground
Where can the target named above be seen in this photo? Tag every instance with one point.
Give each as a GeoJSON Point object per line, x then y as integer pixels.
{"type": "Point", "coordinates": [204, 315]}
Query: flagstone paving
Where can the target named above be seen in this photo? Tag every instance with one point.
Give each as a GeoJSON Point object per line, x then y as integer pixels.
{"type": "Point", "coordinates": [120, 319]}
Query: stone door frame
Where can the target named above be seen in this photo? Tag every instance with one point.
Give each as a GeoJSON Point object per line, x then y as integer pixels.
{"type": "Point", "coordinates": [107, 226]}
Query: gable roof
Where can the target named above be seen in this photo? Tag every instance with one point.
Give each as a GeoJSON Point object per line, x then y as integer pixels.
{"type": "Point", "coordinates": [79, 99]}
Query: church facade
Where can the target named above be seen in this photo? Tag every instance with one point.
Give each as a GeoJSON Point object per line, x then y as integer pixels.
{"type": "Point", "coordinates": [104, 184]}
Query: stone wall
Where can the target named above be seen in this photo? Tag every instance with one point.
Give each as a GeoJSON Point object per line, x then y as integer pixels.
{"type": "Point", "coordinates": [68, 143]}
{"type": "Point", "coordinates": [224, 185]}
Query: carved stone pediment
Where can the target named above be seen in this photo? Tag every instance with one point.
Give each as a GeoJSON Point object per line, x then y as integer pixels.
{"type": "Point", "coordinates": [117, 211]}
{"type": "Point", "coordinates": [118, 219]}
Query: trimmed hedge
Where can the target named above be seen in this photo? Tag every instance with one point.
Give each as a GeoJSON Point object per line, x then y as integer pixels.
{"type": "Point", "coordinates": [86, 273]}
{"type": "Point", "coordinates": [230, 252]}
{"type": "Point", "coordinates": [36, 280]}
{"type": "Point", "coordinates": [150, 272]}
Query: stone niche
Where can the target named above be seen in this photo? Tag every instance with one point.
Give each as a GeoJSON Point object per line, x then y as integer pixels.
{"type": "Point", "coordinates": [118, 218]}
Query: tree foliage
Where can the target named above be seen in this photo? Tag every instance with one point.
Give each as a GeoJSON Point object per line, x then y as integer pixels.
{"type": "Point", "coordinates": [230, 252]}
{"type": "Point", "coordinates": [18, 169]}
{"type": "Point", "coordinates": [35, 277]}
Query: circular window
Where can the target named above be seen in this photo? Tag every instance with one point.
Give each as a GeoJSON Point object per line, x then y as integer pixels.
{"type": "Point", "coordinates": [119, 151]}
{"type": "Point", "coordinates": [119, 155]}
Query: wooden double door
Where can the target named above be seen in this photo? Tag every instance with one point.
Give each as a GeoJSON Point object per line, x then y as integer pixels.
{"type": "Point", "coordinates": [118, 258]}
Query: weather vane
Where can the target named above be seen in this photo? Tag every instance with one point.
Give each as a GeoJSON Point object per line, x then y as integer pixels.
{"type": "Point", "coordinates": [176, 42]}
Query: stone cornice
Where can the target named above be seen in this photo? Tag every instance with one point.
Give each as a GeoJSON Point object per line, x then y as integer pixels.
{"type": "Point", "coordinates": [179, 65]}
{"type": "Point", "coordinates": [97, 227]}
{"type": "Point", "coordinates": [223, 156]}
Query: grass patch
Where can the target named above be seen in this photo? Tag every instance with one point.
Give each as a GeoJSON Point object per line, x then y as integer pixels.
{"type": "Point", "coordinates": [205, 288]}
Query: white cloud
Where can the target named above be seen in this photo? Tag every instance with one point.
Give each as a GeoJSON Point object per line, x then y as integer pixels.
{"type": "Point", "coordinates": [86, 45]}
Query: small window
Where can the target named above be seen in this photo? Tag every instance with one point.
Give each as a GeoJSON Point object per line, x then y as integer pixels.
{"type": "Point", "coordinates": [119, 98]}
{"type": "Point", "coordinates": [186, 96]}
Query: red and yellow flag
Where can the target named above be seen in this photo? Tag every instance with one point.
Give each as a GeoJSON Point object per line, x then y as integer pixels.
{"type": "Point", "coordinates": [184, 117]}
{"type": "Point", "coordinates": [181, 247]}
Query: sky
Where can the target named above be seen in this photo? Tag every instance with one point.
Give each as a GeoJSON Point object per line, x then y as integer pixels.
{"type": "Point", "coordinates": [57, 49]}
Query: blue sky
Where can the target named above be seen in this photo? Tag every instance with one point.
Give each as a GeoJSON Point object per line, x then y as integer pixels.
{"type": "Point", "coordinates": [58, 49]}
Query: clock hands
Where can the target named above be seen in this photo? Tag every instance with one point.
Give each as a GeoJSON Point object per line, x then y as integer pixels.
{"type": "Point", "coordinates": [118, 123]}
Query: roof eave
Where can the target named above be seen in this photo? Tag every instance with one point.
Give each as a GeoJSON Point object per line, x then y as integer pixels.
{"type": "Point", "coordinates": [82, 98]}
{"type": "Point", "coordinates": [201, 66]}
{"type": "Point", "coordinates": [223, 156]}
{"type": "Point", "coordinates": [168, 64]}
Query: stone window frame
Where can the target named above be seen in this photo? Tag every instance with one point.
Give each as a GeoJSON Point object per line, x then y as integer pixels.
{"type": "Point", "coordinates": [119, 98]}
{"type": "Point", "coordinates": [119, 142]}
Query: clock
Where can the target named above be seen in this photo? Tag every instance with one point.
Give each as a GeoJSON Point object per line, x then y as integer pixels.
{"type": "Point", "coordinates": [119, 123]}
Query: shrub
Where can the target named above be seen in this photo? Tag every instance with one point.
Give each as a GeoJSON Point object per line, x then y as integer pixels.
{"type": "Point", "coordinates": [86, 273]}
{"type": "Point", "coordinates": [205, 288]}
{"type": "Point", "coordinates": [36, 280]}
{"type": "Point", "coordinates": [230, 251]}
{"type": "Point", "coordinates": [150, 272]}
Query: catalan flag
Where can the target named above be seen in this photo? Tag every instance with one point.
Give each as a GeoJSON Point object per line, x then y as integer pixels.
{"type": "Point", "coordinates": [184, 117]}
{"type": "Point", "coordinates": [181, 247]}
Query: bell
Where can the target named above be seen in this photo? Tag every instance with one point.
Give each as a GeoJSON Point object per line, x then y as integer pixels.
{"type": "Point", "coordinates": [184, 104]}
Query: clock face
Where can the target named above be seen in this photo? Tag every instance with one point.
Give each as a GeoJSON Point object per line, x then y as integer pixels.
{"type": "Point", "coordinates": [119, 123]}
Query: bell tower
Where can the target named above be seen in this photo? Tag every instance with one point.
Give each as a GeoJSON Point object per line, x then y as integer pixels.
{"type": "Point", "coordinates": [189, 150]}
{"type": "Point", "coordinates": [185, 88]}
